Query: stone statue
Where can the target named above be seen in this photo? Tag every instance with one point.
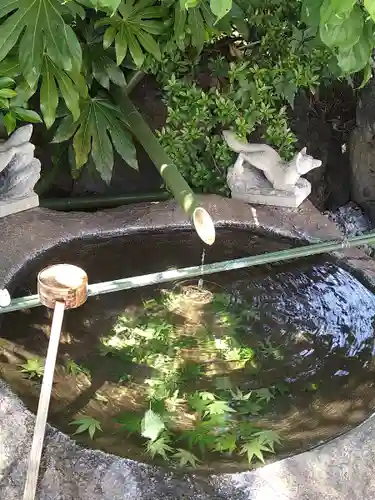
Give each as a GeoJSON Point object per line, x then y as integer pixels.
{"type": "Point", "coordinates": [19, 172]}
{"type": "Point", "coordinates": [260, 176]}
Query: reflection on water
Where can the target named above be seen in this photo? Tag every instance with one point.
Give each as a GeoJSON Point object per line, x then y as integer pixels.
{"type": "Point", "coordinates": [312, 320]}
{"type": "Point", "coordinates": [321, 316]}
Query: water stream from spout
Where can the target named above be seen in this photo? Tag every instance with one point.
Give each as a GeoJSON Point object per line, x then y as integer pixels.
{"type": "Point", "coordinates": [200, 282]}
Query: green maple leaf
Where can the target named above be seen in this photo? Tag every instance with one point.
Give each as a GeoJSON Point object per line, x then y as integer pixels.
{"type": "Point", "coordinates": [264, 394]}
{"type": "Point", "coordinates": [268, 438]}
{"type": "Point", "coordinates": [219, 408]}
{"type": "Point", "coordinates": [207, 396]}
{"type": "Point", "coordinates": [130, 422]}
{"type": "Point", "coordinates": [226, 443]}
{"type": "Point", "coordinates": [253, 449]}
{"type": "Point", "coordinates": [41, 28]}
{"type": "Point", "coordinates": [152, 425]}
{"type": "Point", "coordinates": [250, 408]}
{"type": "Point", "coordinates": [238, 395]}
{"type": "Point", "coordinates": [197, 403]}
{"type": "Point", "coordinates": [159, 447]}
{"type": "Point", "coordinates": [200, 436]}
{"type": "Point", "coordinates": [89, 424]}
{"type": "Point", "coordinates": [185, 458]}
{"type": "Point", "coordinates": [99, 121]}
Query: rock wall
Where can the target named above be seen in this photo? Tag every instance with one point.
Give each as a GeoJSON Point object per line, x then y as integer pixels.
{"type": "Point", "coordinates": [362, 152]}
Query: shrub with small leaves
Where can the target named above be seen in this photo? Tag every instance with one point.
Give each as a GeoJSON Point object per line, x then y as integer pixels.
{"type": "Point", "coordinates": [249, 93]}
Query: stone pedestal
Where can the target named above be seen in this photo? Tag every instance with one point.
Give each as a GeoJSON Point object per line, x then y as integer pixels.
{"type": "Point", "coordinates": [257, 190]}
{"type": "Point", "coordinates": [14, 205]}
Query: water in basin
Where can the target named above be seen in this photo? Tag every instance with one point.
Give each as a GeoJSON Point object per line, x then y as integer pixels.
{"type": "Point", "coordinates": [299, 335]}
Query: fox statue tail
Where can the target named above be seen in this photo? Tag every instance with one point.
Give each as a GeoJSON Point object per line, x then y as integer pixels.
{"type": "Point", "coordinates": [242, 147]}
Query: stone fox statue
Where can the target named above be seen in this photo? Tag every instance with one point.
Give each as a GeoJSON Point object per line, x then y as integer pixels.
{"type": "Point", "coordinates": [280, 174]}
{"type": "Point", "coordinates": [19, 170]}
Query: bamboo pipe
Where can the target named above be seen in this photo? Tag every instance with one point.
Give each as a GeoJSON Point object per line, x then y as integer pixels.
{"type": "Point", "coordinates": [197, 271]}
{"type": "Point", "coordinates": [176, 183]}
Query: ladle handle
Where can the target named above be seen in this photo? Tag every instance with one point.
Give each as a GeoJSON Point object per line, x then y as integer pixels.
{"type": "Point", "coordinates": [43, 406]}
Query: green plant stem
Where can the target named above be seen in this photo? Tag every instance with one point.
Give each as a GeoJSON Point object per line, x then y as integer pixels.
{"type": "Point", "coordinates": [179, 188]}
{"type": "Point", "coordinates": [97, 202]}
{"type": "Point", "coordinates": [195, 271]}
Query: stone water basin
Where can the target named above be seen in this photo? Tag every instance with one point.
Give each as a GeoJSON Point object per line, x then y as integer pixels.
{"type": "Point", "coordinates": [308, 326]}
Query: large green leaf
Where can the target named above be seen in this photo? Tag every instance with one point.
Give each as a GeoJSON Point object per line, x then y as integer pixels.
{"type": "Point", "coordinates": [197, 28]}
{"type": "Point", "coordinates": [105, 5]}
{"type": "Point", "coordinates": [310, 12]}
{"type": "Point", "coordinates": [10, 67]}
{"type": "Point", "coordinates": [191, 24]}
{"type": "Point", "coordinates": [97, 62]}
{"type": "Point", "coordinates": [355, 58]}
{"type": "Point", "coordinates": [370, 6]}
{"type": "Point", "coordinates": [342, 6]}
{"type": "Point", "coordinates": [54, 78]}
{"type": "Point", "coordinates": [133, 29]}
{"type": "Point", "coordinates": [26, 115]}
{"type": "Point", "coordinates": [100, 127]}
{"type": "Point", "coordinates": [220, 7]}
{"type": "Point", "coordinates": [49, 97]}
{"type": "Point", "coordinates": [345, 34]}
{"type": "Point", "coordinates": [9, 122]}
{"type": "Point", "coordinates": [152, 425]}
{"type": "Point", "coordinates": [42, 29]}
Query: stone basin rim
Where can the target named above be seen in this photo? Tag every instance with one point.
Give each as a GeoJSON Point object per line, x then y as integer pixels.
{"type": "Point", "coordinates": [28, 234]}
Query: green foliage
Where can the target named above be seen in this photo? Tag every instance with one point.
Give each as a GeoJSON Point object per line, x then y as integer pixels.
{"type": "Point", "coordinates": [189, 415]}
{"type": "Point", "coordinates": [346, 27]}
{"type": "Point", "coordinates": [132, 30]}
{"type": "Point", "coordinates": [87, 424]}
{"type": "Point", "coordinates": [12, 109]}
{"type": "Point", "coordinates": [159, 447]}
{"type": "Point", "coordinates": [99, 128]}
{"type": "Point", "coordinates": [34, 368]}
{"type": "Point", "coordinates": [69, 53]}
{"type": "Point", "coordinates": [185, 458]}
{"type": "Point", "coordinates": [64, 58]}
{"type": "Point", "coordinates": [75, 369]}
{"type": "Point", "coordinates": [249, 94]}
{"type": "Point", "coordinates": [254, 448]}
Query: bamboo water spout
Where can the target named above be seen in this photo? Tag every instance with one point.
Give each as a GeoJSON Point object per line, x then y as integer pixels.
{"type": "Point", "coordinates": [180, 189]}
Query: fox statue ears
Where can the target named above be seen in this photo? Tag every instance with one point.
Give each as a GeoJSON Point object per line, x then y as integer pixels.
{"type": "Point", "coordinates": [305, 162]}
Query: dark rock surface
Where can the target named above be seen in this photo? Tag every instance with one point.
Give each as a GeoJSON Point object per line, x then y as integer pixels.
{"type": "Point", "coordinates": [362, 152]}
{"type": "Point", "coordinates": [342, 469]}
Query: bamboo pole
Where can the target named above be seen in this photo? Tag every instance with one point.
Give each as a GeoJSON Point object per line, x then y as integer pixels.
{"type": "Point", "coordinates": [196, 271]}
{"type": "Point", "coordinates": [179, 188]}
{"type": "Point", "coordinates": [97, 202]}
